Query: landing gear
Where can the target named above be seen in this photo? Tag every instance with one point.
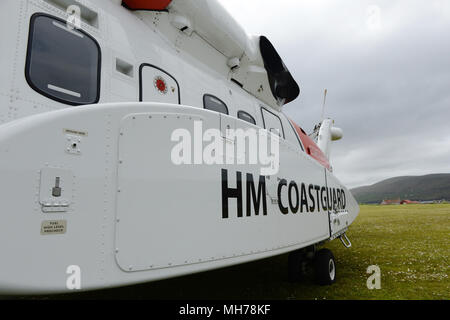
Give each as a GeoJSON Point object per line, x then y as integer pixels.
{"type": "Point", "coordinates": [296, 265]}
{"type": "Point", "coordinates": [299, 262]}
{"type": "Point", "coordinates": [325, 267]}
{"type": "Point", "coordinates": [322, 263]}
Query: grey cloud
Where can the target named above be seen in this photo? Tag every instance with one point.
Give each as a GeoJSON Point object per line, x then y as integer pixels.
{"type": "Point", "coordinates": [389, 90]}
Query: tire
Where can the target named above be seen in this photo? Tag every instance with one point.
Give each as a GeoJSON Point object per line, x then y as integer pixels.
{"type": "Point", "coordinates": [325, 267]}
{"type": "Point", "coordinates": [295, 262]}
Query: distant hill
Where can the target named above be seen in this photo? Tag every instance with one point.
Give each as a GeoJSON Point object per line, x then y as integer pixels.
{"type": "Point", "coordinates": [423, 188]}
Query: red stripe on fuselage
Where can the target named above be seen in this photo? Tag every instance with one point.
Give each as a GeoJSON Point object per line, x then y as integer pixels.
{"type": "Point", "coordinates": [311, 147]}
{"type": "Point", "coordinates": [156, 5]}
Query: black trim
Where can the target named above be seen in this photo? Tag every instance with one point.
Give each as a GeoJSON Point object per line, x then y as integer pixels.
{"type": "Point", "coordinates": [28, 58]}
{"type": "Point", "coordinates": [141, 67]}
{"type": "Point", "coordinates": [282, 84]}
{"type": "Point", "coordinates": [212, 96]}
{"type": "Point", "coordinates": [237, 82]}
{"type": "Point", "coordinates": [264, 122]}
{"type": "Point", "coordinates": [248, 114]}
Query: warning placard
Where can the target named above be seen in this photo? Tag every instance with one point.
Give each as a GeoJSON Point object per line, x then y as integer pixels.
{"type": "Point", "coordinates": [53, 227]}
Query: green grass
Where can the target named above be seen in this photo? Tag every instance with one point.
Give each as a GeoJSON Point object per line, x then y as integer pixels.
{"type": "Point", "coordinates": [411, 245]}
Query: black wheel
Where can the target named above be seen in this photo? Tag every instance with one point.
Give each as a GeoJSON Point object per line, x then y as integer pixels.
{"type": "Point", "coordinates": [295, 266]}
{"type": "Point", "coordinates": [325, 267]}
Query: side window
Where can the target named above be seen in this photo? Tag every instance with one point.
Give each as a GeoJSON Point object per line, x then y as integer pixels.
{"type": "Point", "coordinates": [215, 104]}
{"type": "Point", "coordinates": [272, 122]}
{"type": "Point", "coordinates": [62, 64]}
{"type": "Point", "coordinates": [156, 85]}
{"type": "Point", "coordinates": [246, 117]}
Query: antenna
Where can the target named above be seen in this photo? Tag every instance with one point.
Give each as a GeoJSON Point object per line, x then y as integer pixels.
{"type": "Point", "coordinates": [315, 134]}
{"type": "Point", "coordinates": [324, 103]}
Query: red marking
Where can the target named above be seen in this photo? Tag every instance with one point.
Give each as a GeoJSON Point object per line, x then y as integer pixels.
{"type": "Point", "coordinates": [161, 85]}
{"type": "Point", "coordinates": [311, 147]}
{"type": "Point", "coordinates": [409, 202]}
{"type": "Point", "coordinates": [146, 4]}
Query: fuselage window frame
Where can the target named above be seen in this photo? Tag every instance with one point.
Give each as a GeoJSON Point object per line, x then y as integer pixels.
{"type": "Point", "coordinates": [248, 115]}
{"type": "Point", "coordinates": [275, 115]}
{"type": "Point", "coordinates": [141, 81]}
{"type": "Point", "coordinates": [52, 90]}
{"type": "Point", "coordinates": [206, 107]}
{"type": "Point", "coordinates": [295, 133]}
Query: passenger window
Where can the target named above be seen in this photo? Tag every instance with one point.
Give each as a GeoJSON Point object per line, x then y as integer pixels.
{"type": "Point", "coordinates": [62, 64]}
{"type": "Point", "coordinates": [215, 104]}
{"type": "Point", "coordinates": [272, 123]}
{"type": "Point", "coordinates": [246, 117]}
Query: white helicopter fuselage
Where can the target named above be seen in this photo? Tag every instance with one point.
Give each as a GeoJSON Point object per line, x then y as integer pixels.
{"type": "Point", "coordinates": [86, 177]}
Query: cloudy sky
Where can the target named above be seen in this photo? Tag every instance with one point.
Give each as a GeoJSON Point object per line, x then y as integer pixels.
{"type": "Point", "coordinates": [386, 65]}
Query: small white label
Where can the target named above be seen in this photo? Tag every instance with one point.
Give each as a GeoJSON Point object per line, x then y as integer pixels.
{"type": "Point", "coordinates": [53, 227]}
{"type": "Point", "coordinates": [76, 132]}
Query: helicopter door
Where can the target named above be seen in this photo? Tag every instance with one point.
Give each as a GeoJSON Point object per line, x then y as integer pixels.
{"type": "Point", "coordinates": [338, 215]}
{"type": "Point", "coordinates": [156, 85]}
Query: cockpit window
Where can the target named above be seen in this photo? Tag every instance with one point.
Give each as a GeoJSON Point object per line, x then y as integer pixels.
{"type": "Point", "coordinates": [63, 64]}
{"type": "Point", "coordinates": [215, 104]}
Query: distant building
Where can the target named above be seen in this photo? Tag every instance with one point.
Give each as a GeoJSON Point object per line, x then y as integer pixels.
{"type": "Point", "coordinates": [399, 202]}
{"type": "Point", "coordinates": [409, 202]}
{"type": "Point", "coordinates": [391, 202]}
{"type": "Point", "coordinates": [433, 202]}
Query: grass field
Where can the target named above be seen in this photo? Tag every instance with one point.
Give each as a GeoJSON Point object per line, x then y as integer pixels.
{"type": "Point", "coordinates": [411, 245]}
